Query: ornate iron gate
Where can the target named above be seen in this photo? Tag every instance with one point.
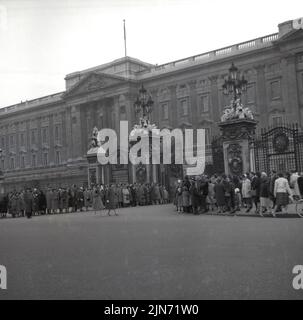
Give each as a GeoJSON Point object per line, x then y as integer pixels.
{"type": "Point", "coordinates": [279, 148]}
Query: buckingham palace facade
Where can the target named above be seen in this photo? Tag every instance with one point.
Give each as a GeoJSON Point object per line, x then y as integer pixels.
{"type": "Point", "coordinates": [45, 141]}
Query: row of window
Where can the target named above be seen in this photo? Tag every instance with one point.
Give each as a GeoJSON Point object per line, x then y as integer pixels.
{"type": "Point", "coordinates": [184, 107]}
{"type": "Point", "coordinates": [203, 102]}
{"type": "Point", "coordinates": [23, 161]}
{"type": "Point", "coordinates": [33, 137]}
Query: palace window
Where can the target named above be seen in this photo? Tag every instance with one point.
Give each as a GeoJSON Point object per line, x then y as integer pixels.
{"type": "Point", "coordinates": [12, 163]}
{"type": "Point", "coordinates": [45, 135]}
{"type": "Point", "coordinates": [58, 157]}
{"type": "Point", "coordinates": [204, 103]}
{"type": "Point", "coordinates": [184, 107]}
{"type": "Point", "coordinates": [251, 93]}
{"type": "Point", "coordinates": [34, 160]}
{"type": "Point", "coordinates": [12, 141]}
{"type": "Point", "coordinates": [45, 158]}
{"type": "Point", "coordinates": [275, 90]}
{"type": "Point", "coordinates": [165, 111]}
{"type": "Point", "coordinates": [57, 133]}
{"type": "Point", "coordinates": [22, 162]}
{"type": "Point", "coordinates": [22, 142]}
{"type": "Point", "coordinates": [34, 136]}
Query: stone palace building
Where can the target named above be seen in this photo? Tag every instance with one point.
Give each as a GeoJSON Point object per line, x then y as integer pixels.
{"type": "Point", "coordinates": [45, 140]}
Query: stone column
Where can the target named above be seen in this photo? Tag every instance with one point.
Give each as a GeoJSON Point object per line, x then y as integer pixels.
{"type": "Point", "coordinates": [173, 110]}
{"type": "Point", "coordinates": [28, 145]}
{"type": "Point", "coordinates": [214, 100]}
{"type": "Point", "coordinates": [51, 140]}
{"type": "Point", "coordinates": [193, 103]}
{"type": "Point", "coordinates": [261, 95]}
{"type": "Point", "coordinates": [39, 144]}
{"type": "Point", "coordinates": [290, 81]}
{"type": "Point", "coordinates": [17, 148]}
{"type": "Point", "coordinates": [76, 132]}
{"type": "Point", "coordinates": [69, 141]}
{"type": "Point", "coordinates": [63, 139]}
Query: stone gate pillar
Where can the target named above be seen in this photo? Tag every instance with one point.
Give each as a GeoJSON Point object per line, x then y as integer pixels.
{"type": "Point", "coordinates": [238, 136]}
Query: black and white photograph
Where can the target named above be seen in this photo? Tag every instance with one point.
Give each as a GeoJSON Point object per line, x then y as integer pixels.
{"type": "Point", "coordinates": [151, 150]}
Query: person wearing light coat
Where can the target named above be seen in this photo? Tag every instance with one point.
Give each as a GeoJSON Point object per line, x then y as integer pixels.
{"type": "Point", "coordinates": [294, 185]}
{"type": "Point", "coordinates": [246, 192]}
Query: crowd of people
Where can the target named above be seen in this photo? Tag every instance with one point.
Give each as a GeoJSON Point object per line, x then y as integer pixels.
{"type": "Point", "coordinates": [226, 193]}
{"type": "Point", "coordinates": [34, 201]}
{"type": "Point", "coordinates": [200, 194]}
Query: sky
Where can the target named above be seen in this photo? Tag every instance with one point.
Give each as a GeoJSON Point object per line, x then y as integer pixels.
{"type": "Point", "coordinates": [43, 40]}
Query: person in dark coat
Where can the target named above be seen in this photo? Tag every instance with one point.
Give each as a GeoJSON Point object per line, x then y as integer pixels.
{"type": "Point", "coordinates": [74, 191]}
{"type": "Point", "coordinates": [35, 200]}
{"type": "Point", "coordinates": [147, 193]}
{"type": "Point", "coordinates": [195, 196]}
{"type": "Point", "coordinates": [255, 187]}
{"type": "Point", "coordinates": [3, 205]}
{"type": "Point", "coordinates": [265, 202]}
{"type": "Point", "coordinates": [228, 193]}
{"type": "Point", "coordinates": [42, 202]}
{"type": "Point", "coordinates": [28, 203]}
{"type": "Point", "coordinates": [133, 195]}
{"type": "Point", "coordinates": [80, 199]}
{"type": "Point", "coordinates": [220, 194]}
{"type": "Point", "coordinates": [112, 199]}
{"type": "Point", "coordinates": [185, 199]}
{"type": "Point", "coordinates": [203, 190]}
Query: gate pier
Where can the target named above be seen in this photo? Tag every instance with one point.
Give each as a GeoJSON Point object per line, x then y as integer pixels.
{"type": "Point", "coordinates": [238, 136]}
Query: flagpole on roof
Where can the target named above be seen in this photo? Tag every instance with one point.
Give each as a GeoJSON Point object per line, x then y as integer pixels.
{"type": "Point", "coordinates": [125, 53]}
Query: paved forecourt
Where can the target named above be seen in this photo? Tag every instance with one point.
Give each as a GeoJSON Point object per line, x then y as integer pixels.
{"type": "Point", "coordinates": [150, 253]}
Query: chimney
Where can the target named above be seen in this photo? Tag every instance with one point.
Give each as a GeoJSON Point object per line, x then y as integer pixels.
{"type": "Point", "coordinates": [285, 27]}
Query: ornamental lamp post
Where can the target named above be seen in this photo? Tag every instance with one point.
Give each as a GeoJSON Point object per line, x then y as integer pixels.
{"type": "Point", "coordinates": [144, 106]}
{"type": "Point", "coordinates": [234, 85]}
